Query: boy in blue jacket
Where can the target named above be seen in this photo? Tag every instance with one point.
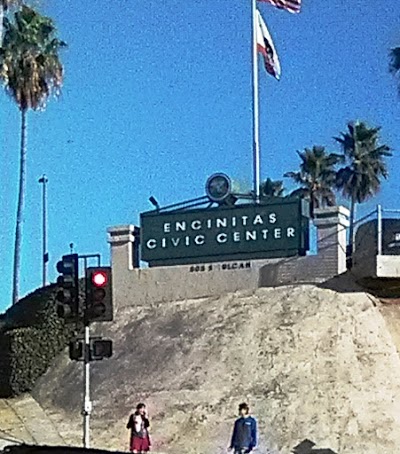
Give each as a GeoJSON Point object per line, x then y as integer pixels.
{"type": "Point", "coordinates": [244, 437]}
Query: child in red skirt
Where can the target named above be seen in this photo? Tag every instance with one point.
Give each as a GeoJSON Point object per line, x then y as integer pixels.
{"type": "Point", "coordinates": [139, 424]}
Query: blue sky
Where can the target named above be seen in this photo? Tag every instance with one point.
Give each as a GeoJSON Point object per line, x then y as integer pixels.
{"type": "Point", "coordinates": [157, 96]}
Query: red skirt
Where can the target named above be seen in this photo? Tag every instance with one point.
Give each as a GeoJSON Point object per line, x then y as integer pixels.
{"type": "Point", "coordinates": [139, 444]}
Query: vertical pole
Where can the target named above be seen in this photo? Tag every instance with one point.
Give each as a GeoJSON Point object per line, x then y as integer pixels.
{"type": "Point", "coordinates": [44, 180]}
{"type": "Point", "coordinates": [256, 124]}
{"type": "Point", "coordinates": [1, 22]}
{"type": "Point", "coordinates": [87, 404]}
{"type": "Point", "coordinates": [45, 231]}
{"type": "Point", "coordinates": [379, 221]}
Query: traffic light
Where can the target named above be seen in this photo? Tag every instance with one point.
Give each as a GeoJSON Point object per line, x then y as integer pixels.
{"type": "Point", "coordinates": [76, 350]}
{"type": "Point", "coordinates": [100, 349]}
{"type": "Point", "coordinates": [99, 306]}
{"type": "Point", "coordinates": [68, 281]}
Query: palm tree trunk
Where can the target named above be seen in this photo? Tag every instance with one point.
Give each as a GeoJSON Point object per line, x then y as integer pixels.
{"type": "Point", "coordinates": [351, 229]}
{"type": "Point", "coordinates": [20, 206]}
{"type": "Point", "coordinates": [1, 22]}
{"type": "Point", "coordinates": [312, 203]}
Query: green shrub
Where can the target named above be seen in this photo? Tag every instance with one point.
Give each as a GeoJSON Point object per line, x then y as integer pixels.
{"type": "Point", "coordinates": [31, 335]}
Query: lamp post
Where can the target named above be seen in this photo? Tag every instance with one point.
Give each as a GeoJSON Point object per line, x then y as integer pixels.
{"type": "Point", "coordinates": [43, 180]}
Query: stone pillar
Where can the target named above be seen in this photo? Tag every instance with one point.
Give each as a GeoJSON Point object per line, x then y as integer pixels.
{"type": "Point", "coordinates": [332, 224]}
{"type": "Point", "coordinates": [124, 241]}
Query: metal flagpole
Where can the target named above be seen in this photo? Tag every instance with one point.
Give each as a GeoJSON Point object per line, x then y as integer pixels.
{"type": "Point", "coordinates": [256, 123]}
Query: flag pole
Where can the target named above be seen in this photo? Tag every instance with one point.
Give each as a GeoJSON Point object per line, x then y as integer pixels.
{"type": "Point", "coordinates": [256, 123]}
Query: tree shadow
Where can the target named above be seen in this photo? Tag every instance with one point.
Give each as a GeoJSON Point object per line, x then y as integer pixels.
{"type": "Point", "coordinates": [344, 283]}
{"type": "Point", "coordinates": [306, 447]}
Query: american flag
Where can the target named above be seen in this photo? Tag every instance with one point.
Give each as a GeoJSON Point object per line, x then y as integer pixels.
{"type": "Point", "coordinates": [293, 6]}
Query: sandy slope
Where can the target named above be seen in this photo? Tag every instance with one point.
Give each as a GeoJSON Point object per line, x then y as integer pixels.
{"type": "Point", "coordinates": [313, 364]}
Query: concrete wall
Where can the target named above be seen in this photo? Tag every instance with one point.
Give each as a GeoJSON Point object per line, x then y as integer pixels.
{"type": "Point", "coordinates": [302, 270]}
{"type": "Point", "coordinates": [147, 286]}
{"type": "Point", "coordinates": [330, 261]}
{"type": "Point", "coordinates": [332, 224]}
{"type": "Point", "coordinates": [388, 266]}
{"type": "Point", "coordinates": [164, 284]}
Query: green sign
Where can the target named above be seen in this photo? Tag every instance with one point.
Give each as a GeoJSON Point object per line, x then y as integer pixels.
{"type": "Point", "coordinates": [253, 231]}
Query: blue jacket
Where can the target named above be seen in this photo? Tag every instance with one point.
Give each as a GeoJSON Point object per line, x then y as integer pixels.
{"type": "Point", "coordinates": [244, 433]}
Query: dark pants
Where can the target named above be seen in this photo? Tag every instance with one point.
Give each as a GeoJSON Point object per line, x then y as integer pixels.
{"type": "Point", "coordinates": [242, 451]}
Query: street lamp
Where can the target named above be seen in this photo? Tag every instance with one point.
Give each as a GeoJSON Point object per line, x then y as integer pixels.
{"type": "Point", "coordinates": [154, 202]}
{"type": "Point", "coordinates": [45, 257]}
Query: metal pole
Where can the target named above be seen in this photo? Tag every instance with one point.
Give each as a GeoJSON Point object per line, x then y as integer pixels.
{"type": "Point", "coordinates": [256, 124]}
{"type": "Point", "coordinates": [379, 220]}
{"type": "Point", "coordinates": [87, 404]}
{"type": "Point", "coordinates": [43, 180]}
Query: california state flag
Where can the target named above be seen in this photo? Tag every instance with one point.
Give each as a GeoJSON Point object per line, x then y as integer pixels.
{"type": "Point", "coordinates": [266, 47]}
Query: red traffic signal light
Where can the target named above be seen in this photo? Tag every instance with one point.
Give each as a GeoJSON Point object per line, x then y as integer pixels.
{"type": "Point", "coordinates": [99, 306]}
{"type": "Point", "coordinates": [99, 278]}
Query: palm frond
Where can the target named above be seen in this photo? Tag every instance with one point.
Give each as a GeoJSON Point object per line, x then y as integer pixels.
{"type": "Point", "coordinates": [272, 188]}
{"type": "Point", "coordinates": [394, 65]}
{"type": "Point", "coordinates": [317, 176]}
{"type": "Point", "coordinates": [300, 192]}
{"type": "Point", "coordinates": [6, 4]}
{"type": "Point", "coordinates": [365, 157]}
{"type": "Point", "coordinates": [30, 67]}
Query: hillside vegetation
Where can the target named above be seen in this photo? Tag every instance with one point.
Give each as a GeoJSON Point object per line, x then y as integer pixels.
{"type": "Point", "coordinates": [31, 336]}
{"type": "Point", "coordinates": [312, 363]}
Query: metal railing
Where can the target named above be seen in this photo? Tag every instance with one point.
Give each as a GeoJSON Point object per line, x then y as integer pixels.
{"type": "Point", "coordinates": [378, 214]}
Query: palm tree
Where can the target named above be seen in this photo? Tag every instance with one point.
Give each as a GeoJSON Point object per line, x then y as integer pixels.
{"type": "Point", "coordinates": [395, 62]}
{"type": "Point", "coordinates": [4, 6]}
{"type": "Point", "coordinates": [316, 177]}
{"type": "Point", "coordinates": [31, 71]}
{"type": "Point", "coordinates": [271, 188]}
{"type": "Point", "coordinates": [365, 157]}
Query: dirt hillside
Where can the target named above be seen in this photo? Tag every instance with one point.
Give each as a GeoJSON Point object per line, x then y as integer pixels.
{"type": "Point", "coordinates": [312, 363]}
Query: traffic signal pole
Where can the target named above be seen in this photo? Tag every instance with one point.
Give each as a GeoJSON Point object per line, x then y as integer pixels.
{"type": "Point", "coordinates": [87, 404]}
{"type": "Point", "coordinates": [97, 307]}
